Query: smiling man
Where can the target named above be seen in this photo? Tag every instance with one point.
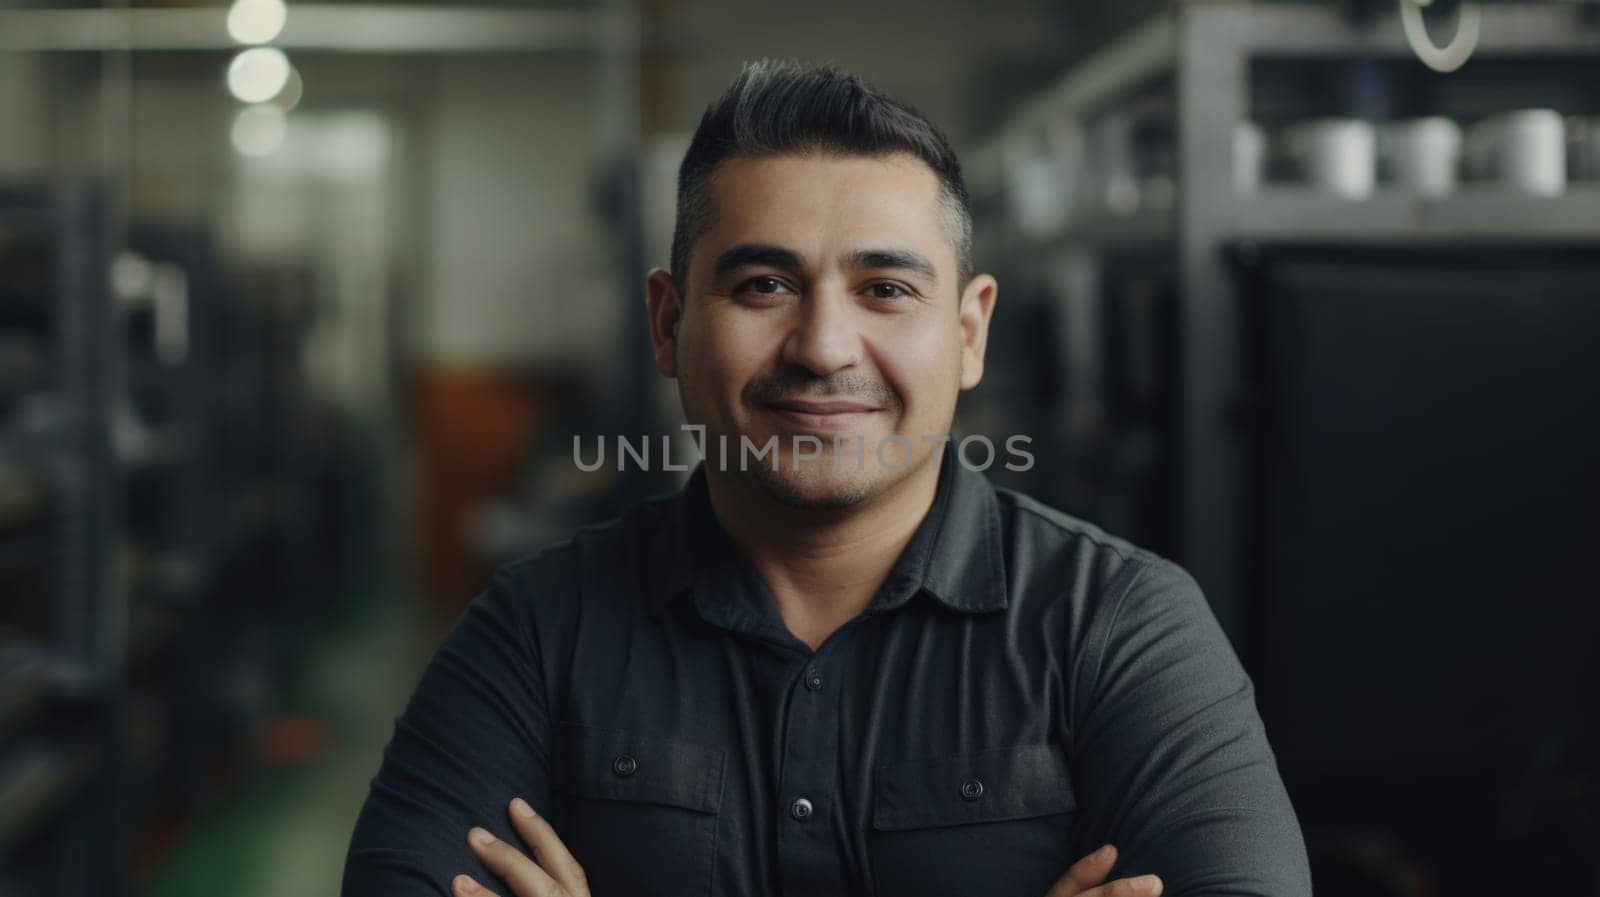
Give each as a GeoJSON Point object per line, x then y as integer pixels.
{"type": "Point", "coordinates": [849, 665]}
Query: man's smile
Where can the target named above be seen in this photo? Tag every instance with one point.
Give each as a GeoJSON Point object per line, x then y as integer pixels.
{"type": "Point", "coordinates": [830, 415]}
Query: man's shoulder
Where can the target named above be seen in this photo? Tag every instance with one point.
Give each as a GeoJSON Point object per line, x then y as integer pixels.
{"type": "Point", "coordinates": [1036, 519]}
{"type": "Point", "coordinates": [1062, 559]}
{"type": "Point", "coordinates": [1050, 536]}
{"type": "Point", "coordinates": [620, 542]}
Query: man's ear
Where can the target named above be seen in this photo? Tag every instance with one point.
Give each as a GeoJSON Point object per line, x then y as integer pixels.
{"type": "Point", "coordinates": [977, 304]}
{"type": "Point", "coordinates": [665, 308]}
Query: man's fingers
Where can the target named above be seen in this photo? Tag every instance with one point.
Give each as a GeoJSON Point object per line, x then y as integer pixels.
{"type": "Point", "coordinates": [1085, 877]}
{"type": "Point", "coordinates": [1085, 873]}
{"type": "Point", "coordinates": [1142, 886]}
{"type": "Point", "coordinates": [553, 856]}
{"type": "Point", "coordinates": [467, 886]}
{"type": "Point", "coordinates": [523, 875]}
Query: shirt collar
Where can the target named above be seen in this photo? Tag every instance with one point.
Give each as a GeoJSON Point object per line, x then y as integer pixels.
{"type": "Point", "coordinates": [955, 556]}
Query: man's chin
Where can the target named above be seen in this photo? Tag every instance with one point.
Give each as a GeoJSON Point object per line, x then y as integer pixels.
{"type": "Point", "coordinates": [815, 484]}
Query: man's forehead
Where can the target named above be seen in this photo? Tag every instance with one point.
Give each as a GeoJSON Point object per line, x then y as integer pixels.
{"type": "Point", "coordinates": [754, 182]}
{"type": "Point", "coordinates": [846, 202]}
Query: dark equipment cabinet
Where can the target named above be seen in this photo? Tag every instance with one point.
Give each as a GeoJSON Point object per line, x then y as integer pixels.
{"type": "Point", "coordinates": [1423, 502]}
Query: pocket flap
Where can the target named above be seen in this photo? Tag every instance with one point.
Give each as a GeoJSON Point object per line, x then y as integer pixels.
{"type": "Point", "coordinates": [1005, 783]}
{"type": "Point", "coordinates": [613, 764]}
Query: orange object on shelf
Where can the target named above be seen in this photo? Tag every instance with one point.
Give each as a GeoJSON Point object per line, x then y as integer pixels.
{"type": "Point", "coordinates": [473, 426]}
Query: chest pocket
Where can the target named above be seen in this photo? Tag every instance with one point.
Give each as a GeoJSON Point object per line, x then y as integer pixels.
{"type": "Point", "coordinates": [994, 822]}
{"type": "Point", "coordinates": [640, 811]}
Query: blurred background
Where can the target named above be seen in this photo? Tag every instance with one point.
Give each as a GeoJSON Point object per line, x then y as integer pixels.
{"type": "Point", "coordinates": [301, 308]}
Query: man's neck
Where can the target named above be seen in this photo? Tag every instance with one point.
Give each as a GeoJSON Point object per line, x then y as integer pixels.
{"type": "Point", "coordinates": [823, 566]}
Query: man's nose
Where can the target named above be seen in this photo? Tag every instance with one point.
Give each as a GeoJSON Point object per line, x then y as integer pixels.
{"type": "Point", "coordinates": [823, 335]}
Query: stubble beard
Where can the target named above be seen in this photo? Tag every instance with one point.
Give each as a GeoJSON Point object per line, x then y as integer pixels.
{"type": "Point", "coordinates": [815, 485]}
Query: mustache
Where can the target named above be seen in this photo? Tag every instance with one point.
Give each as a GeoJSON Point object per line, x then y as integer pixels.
{"type": "Point", "coordinates": [790, 385]}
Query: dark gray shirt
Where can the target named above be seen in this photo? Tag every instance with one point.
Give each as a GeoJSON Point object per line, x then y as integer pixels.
{"type": "Point", "coordinates": [1023, 689]}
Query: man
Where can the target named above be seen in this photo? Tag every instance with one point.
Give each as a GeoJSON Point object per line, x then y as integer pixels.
{"type": "Point", "coordinates": [844, 664]}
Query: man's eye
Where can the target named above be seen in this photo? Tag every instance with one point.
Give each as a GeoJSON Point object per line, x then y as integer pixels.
{"type": "Point", "coordinates": [765, 285]}
{"type": "Point", "coordinates": [886, 290]}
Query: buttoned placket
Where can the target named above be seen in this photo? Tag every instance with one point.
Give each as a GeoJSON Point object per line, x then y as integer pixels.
{"type": "Point", "coordinates": [808, 831]}
{"type": "Point", "coordinates": [808, 835]}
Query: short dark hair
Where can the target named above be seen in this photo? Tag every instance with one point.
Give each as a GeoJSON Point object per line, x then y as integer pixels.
{"type": "Point", "coordinates": [781, 108]}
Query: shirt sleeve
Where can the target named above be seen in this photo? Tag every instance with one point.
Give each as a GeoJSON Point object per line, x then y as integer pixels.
{"type": "Point", "coordinates": [1173, 764]}
{"type": "Point", "coordinates": [475, 734]}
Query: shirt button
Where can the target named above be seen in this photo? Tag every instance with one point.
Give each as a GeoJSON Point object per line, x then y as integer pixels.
{"type": "Point", "coordinates": [800, 809]}
{"type": "Point", "coordinates": [971, 789]}
{"type": "Point", "coordinates": [814, 680]}
{"type": "Point", "coordinates": [624, 766]}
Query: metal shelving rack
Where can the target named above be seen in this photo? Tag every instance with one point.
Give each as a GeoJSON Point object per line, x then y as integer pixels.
{"type": "Point", "coordinates": [165, 532]}
{"type": "Point", "coordinates": [1198, 57]}
{"type": "Point", "coordinates": [61, 644]}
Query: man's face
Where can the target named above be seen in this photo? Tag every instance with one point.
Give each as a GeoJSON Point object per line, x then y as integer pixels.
{"type": "Point", "coordinates": [823, 302]}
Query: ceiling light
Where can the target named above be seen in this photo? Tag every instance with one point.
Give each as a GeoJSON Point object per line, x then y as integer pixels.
{"type": "Point", "coordinates": [256, 21]}
{"type": "Point", "coordinates": [258, 74]}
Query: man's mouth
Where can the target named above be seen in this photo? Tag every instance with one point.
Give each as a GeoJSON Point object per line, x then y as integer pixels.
{"type": "Point", "coordinates": [827, 415]}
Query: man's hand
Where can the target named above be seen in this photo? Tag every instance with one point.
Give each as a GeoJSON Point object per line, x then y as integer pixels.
{"type": "Point", "coordinates": [556, 874]}
{"type": "Point", "coordinates": [559, 875]}
{"type": "Point", "coordinates": [1083, 879]}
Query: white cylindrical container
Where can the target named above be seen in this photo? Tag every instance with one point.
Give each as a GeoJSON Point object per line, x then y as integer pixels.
{"type": "Point", "coordinates": [1532, 151]}
{"type": "Point", "coordinates": [1424, 154]}
{"type": "Point", "coordinates": [1337, 155]}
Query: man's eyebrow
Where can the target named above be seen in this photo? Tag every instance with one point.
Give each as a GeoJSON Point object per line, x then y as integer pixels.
{"type": "Point", "coordinates": [777, 257]}
{"type": "Point", "coordinates": [904, 259]}
{"type": "Point", "coordinates": [754, 254]}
